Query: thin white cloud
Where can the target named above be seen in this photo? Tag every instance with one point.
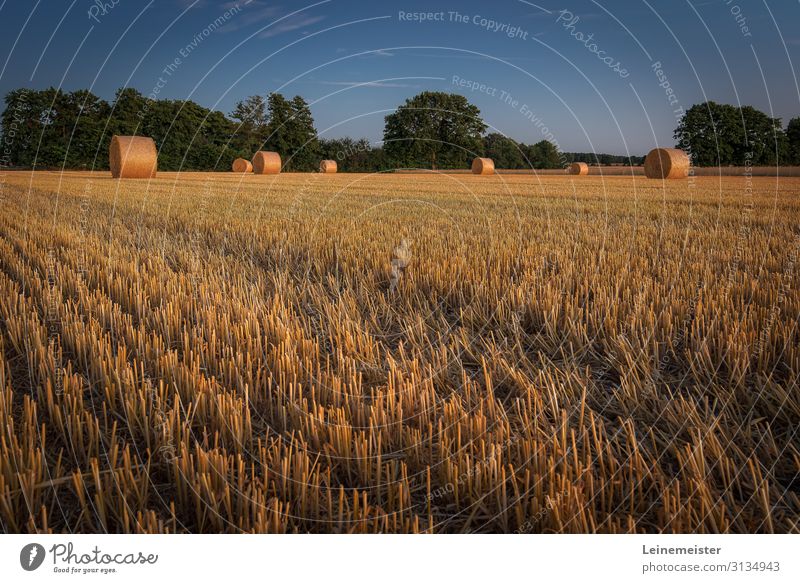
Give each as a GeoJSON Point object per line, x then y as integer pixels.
{"type": "Point", "coordinates": [290, 24]}
{"type": "Point", "coordinates": [367, 84]}
{"type": "Point", "coordinates": [253, 12]}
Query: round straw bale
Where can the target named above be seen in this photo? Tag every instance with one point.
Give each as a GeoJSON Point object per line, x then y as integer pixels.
{"type": "Point", "coordinates": [666, 163]}
{"type": "Point", "coordinates": [483, 166]}
{"type": "Point", "coordinates": [242, 165]}
{"type": "Point", "coordinates": [266, 162]}
{"type": "Point", "coordinates": [328, 167]}
{"type": "Point", "coordinates": [579, 168]}
{"type": "Point", "coordinates": [132, 157]}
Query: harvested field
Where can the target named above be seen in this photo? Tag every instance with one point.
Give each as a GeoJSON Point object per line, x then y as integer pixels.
{"type": "Point", "coordinates": [770, 171]}
{"type": "Point", "coordinates": [382, 353]}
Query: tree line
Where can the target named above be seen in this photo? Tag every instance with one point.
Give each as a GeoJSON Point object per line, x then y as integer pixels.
{"type": "Point", "coordinates": [716, 134]}
{"type": "Point", "coordinates": [52, 128]}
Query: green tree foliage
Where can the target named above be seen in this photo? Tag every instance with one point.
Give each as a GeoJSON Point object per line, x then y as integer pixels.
{"type": "Point", "coordinates": [434, 130]}
{"type": "Point", "coordinates": [86, 142]}
{"type": "Point", "coordinates": [505, 152]}
{"type": "Point", "coordinates": [251, 117]}
{"type": "Point", "coordinates": [51, 128]}
{"type": "Point", "coordinates": [720, 134]}
{"type": "Point", "coordinates": [130, 108]}
{"type": "Point", "coordinates": [21, 126]}
{"type": "Point", "coordinates": [793, 139]}
{"type": "Point", "coordinates": [189, 136]}
{"type": "Point", "coordinates": [354, 155]}
{"type": "Point", "coordinates": [55, 129]}
{"type": "Point", "coordinates": [306, 152]}
{"type": "Point", "coordinates": [291, 132]}
{"type": "Point", "coordinates": [251, 112]}
{"type": "Point", "coordinates": [544, 154]}
{"type": "Point", "coordinates": [603, 159]}
{"type": "Point", "coordinates": [511, 155]}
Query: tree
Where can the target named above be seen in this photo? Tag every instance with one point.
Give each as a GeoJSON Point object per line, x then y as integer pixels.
{"type": "Point", "coordinates": [19, 119]}
{"type": "Point", "coordinates": [707, 133]}
{"type": "Point", "coordinates": [129, 111]}
{"type": "Point", "coordinates": [544, 154]}
{"type": "Point", "coordinates": [434, 129]}
{"type": "Point", "coordinates": [602, 159]}
{"type": "Point", "coordinates": [719, 134]}
{"type": "Point", "coordinates": [252, 118]}
{"type": "Point", "coordinates": [505, 152]}
{"type": "Point", "coordinates": [189, 136]}
{"type": "Point", "coordinates": [793, 139]}
{"type": "Point", "coordinates": [291, 132]}
{"type": "Point", "coordinates": [84, 115]}
{"type": "Point", "coordinates": [765, 141]}
{"type": "Point", "coordinates": [353, 155]}
{"type": "Point", "coordinates": [251, 112]}
{"type": "Point", "coordinates": [306, 150]}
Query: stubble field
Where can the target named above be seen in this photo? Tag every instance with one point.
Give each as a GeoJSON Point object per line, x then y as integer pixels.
{"type": "Point", "coordinates": [399, 353]}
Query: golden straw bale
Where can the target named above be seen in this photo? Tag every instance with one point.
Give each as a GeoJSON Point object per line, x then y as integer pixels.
{"type": "Point", "coordinates": [579, 168]}
{"type": "Point", "coordinates": [133, 157]}
{"type": "Point", "coordinates": [328, 167]}
{"type": "Point", "coordinates": [267, 162]}
{"type": "Point", "coordinates": [483, 166]}
{"type": "Point", "coordinates": [242, 165]}
{"type": "Point", "coordinates": [666, 163]}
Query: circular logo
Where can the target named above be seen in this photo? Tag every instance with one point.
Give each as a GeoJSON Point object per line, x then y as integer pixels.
{"type": "Point", "coordinates": [31, 556]}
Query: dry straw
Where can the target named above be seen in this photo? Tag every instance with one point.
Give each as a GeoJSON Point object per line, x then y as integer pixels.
{"type": "Point", "coordinates": [242, 165]}
{"type": "Point", "coordinates": [579, 168]}
{"type": "Point", "coordinates": [132, 157]}
{"type": "Point", "coordinates": [257, 374]}
{"type": "Point", "coordinates": [328, 167]}
{"type": "Point", "coordinates": [666, 163]}
{"type": "Point", "coordinates": [483, 166]}
{"type": "Point", "coordinates": [267, 163]}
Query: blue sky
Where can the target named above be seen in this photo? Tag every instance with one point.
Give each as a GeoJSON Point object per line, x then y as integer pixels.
{"type": "Point", "coordinates": [531, 67]}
